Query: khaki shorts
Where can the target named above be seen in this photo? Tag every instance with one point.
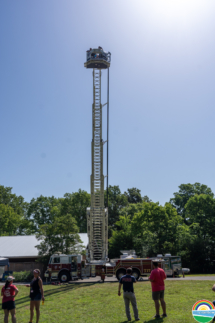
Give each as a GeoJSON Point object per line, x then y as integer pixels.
{"type": "Point", "coordinates": [158, 295]}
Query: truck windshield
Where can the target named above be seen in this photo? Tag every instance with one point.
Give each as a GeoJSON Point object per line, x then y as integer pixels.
{"type": "Point", "coordinates": [56, 260]}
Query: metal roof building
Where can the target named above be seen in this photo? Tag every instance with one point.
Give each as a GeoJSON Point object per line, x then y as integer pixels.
{"type": "Point", "coordinates": [25, 246]}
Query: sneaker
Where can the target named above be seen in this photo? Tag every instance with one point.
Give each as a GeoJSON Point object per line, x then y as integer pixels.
{"type": "Point", "coordinates": [137, 319]}
{"type": "Point", "coordinates": [164, 315]}
{"type": "Point", "coordinates": [157, 316]}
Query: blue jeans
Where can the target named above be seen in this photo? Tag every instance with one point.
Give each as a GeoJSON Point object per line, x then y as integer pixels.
{"type": "Point", "coordinates": [37, 297]}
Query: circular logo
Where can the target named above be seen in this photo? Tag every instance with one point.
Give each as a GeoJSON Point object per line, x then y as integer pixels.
{"type": "Point", "coordinates": [203, 311]}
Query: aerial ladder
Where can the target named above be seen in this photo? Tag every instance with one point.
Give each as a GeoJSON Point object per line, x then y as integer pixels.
{"type": "Point", "coordinates": [97, 215]}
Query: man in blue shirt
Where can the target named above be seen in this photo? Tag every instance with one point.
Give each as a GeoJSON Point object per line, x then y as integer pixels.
{"type": "Point", "coordinates": [128, 294]}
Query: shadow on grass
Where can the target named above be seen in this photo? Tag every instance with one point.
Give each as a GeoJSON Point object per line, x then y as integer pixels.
{"type": "Point", "coordinates": [66, 288]}
{"type": "Point", "coordinates": [154, 320]}
{"type": "Point", "coordinates": [150, 321]}
{"type": "Point", "coordinates": [54, 291]}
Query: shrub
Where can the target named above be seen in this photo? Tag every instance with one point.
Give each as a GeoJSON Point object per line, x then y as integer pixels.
{"type": "Point", "coordinates": [23, 276]}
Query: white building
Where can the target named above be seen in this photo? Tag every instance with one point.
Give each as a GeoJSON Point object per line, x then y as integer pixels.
{"type": "Point", "coordinates": [22, 251]}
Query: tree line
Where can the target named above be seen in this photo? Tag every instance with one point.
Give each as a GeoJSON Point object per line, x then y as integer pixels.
{"type": "Point", "coordinates": [184, 226]}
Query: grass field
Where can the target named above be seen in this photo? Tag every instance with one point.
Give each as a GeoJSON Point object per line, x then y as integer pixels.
{"type": "Point", "coordinates": [190, 275]}
{"type": "Point", "coordinates": [94, 302]}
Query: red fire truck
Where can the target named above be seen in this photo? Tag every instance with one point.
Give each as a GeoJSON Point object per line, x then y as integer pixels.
{"type": "Point", "coordinates": [66, 267]}
{"type": "Point", "coordinates": [71, 267]}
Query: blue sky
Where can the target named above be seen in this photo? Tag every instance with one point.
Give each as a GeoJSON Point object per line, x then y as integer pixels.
{"type": "Point", "coordinates": [161, 94]}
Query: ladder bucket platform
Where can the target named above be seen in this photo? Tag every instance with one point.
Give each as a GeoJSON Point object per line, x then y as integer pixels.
{"type": "Point", "coordinates": [97, 63]}
{"type": "Point", "coordinates": [97, 58]}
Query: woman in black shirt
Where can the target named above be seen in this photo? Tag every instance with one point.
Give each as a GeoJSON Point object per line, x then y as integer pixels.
{"type": "Point", "coordinates": [36, 294]}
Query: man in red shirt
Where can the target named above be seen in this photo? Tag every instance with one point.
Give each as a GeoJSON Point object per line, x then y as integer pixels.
{"type": "Point", "coordinates": [157, 278]}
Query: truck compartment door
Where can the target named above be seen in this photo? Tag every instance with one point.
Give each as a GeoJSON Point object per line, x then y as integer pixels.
{"type": "Point", "coordinates": [85, 270]}
{"type": "Point", "coordinates": [74, 266]}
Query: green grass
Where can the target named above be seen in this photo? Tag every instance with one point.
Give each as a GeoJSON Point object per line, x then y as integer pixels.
{"type": "Point", "coordinates": [94, 302]}
{"type": "Point", "coordinates": [190, 275]}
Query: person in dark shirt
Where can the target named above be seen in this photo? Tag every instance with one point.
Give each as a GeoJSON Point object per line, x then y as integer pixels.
{"type": "Point", "coordinates": [36, 294]}
{"type": "Point", "coordinates": [128, 294]}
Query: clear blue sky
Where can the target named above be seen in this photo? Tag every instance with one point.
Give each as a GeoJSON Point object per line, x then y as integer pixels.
{"type": "Point", "coordinates": [162, 96]}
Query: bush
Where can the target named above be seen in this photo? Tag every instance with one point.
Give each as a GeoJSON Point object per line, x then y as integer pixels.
{"type": "Point", "coordinates": [23, 276]}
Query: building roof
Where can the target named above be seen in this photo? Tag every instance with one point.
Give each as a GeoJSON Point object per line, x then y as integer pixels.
{"type": "Point", "coordinates": [25, 246]}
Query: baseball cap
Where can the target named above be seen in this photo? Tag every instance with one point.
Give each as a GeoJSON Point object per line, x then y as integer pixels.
{"type": "Point", "coordinates": [10, 278]}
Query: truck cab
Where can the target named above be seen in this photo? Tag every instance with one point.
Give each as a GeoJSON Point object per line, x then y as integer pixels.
{"type": "Point", "coordinates": [64, 267]}
{"type": "Point", "coordinates": [172, 265]}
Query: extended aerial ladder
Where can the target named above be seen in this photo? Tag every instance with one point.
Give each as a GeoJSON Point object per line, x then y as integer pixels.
{"type": "Point", "coordinates": [97, 214]}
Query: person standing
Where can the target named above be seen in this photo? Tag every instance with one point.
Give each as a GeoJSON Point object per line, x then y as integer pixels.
{"type": "Point", "coordinates": [9, 292]}
{"type": "Point", "coordinates": [157, 278]}
{"type": "Point", "coordinates": [128, 294]}
{"type": "Point", "coordinates": [102, 274]}
{"type": "Point", "coordinates": [213, 289]}
{"type": "Point", "coordinates": [36, 294]}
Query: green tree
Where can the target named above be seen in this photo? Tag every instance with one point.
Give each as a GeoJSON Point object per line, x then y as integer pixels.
{"type": "Point", "coordinates": [116, 201]}
{"type": "Point", "coordinates": [186, 191]}
{"type": "Point", "coordinates": [132, 209]}
{"type": "Point", "coordinates": [19, 214]}
{"type": "Point", "coordinates": [149, 228]}
{"type": "Point", "coordinates": [200, 210]}
{"type": "Point", "coordinates": [121, 239]}
{"type": "Point", "coordinates": [12, 200]}
{"type": "Point", "coordinates": [59, 236]}
{"type": "Point", "coordinates": [76, 204]}
{"type": "Point", "coordinates": [158, 228]}
{"type": "Point", "coordinates": [133, 195]}
{"type": "Point", "coordinates": [146, 199]}
{"type": "Point", "coordinates": [9, 220]}
{"type": "Point", "coordinates": [40, 211]}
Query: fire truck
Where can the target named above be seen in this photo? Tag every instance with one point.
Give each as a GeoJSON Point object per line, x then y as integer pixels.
{"type": "Point", "coordinates": [71, 267]}
{"type": "Point", "coordinates": [68, 267]}
{"type": "Point", "coordinates": [140, 267]}
{"type": "Point", "coordinates": [173, 265]}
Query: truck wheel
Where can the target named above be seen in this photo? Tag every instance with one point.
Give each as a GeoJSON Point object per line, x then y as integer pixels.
{"type": "Point", "coordinates": [64, 277]}
{"type": "Point", "coordinates": [136, 274]}
{"type": "Point", "coordinates": [120, 273]}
